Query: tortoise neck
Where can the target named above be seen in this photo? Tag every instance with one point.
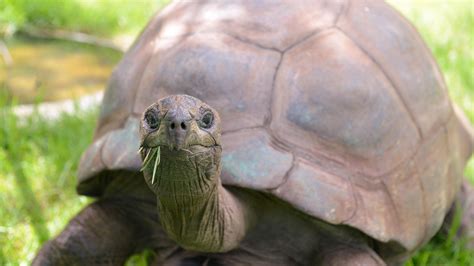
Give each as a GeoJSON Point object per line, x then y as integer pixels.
{"type": "Point", "coordinates": [192, 220]}
{"type": "Point", "coordinates": [195, 208]}
{"type": "Point", "coordinates": [184, 177]}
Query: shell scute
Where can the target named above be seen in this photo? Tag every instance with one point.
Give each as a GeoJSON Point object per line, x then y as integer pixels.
{"type": "Point", "coordinates": [250, 160]}
{"type": "Point", "coordinates": [233, 77]}
{"type": "Point", "coordinates": [331, 97]}
{"type": "Point", "coordinates": [320, 194]}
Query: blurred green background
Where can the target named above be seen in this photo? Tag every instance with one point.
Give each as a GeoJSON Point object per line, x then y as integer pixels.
{"type": "Point", "coordinates": [39, 157]}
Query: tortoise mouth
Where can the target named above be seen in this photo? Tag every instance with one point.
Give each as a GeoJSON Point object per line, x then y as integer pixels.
{"type": "Point", "coordinates": [152, 156]}
{"type": "Point", "coordinates": [193, 149]}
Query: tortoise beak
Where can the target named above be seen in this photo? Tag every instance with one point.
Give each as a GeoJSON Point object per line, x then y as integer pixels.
{"type": "Point", "coordinates": [178, 131]}
{"type": "Point", "coordinates": [178, 126]}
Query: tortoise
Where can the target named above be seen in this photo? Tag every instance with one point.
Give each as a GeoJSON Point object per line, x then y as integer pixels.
{"type": "Point", "coordinates": [319, 132]}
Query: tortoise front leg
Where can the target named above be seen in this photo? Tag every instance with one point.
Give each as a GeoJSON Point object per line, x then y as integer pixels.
{"type": "Point", "coordinates": [106, 232]}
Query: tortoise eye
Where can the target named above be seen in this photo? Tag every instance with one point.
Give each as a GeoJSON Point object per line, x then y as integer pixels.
{"type": "Point", "coordinates": [207, 120]}
{"type": "Point", "coordinates": [151, 119]}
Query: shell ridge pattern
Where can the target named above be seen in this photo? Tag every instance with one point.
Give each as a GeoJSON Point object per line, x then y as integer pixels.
{"type": "Point", "coordinates": [379, 66]}
{"type": "Point", "coordinates": [316, 35]}
{"type": "Point", "coordinates": [303, 153]}
{"type": "Point", "coordinates": [126, 158]}
{"type": "Point", "coordinates": [360, 206]}
{"type": "Point", "coordinates": [443, 128]}
{"type": "Point", "coordinates": [425, 211]}
{"type": "Point", "coordinates": [241, 129]}
{"type": "Point", "coordinates": [415, 153]}
{"type": "Point", "coordinates": [393, 205]}
{"type": "Point", "coordinates": [428, 51]}
{"type": "Point", "coordinates": [313, 34]}
{"type": "Point", "coordinates": [399, 168]}
{"type": "Point", "coordinates": [87, 168]}
{"type": "Point", "coordinates": [344, 9]}
{"type": "Point", "coordinates": [156, 22]}
{"type": "Point", "coordinates": [303, 175]}
{"type": "Point", "coordinates": [247, 41]}
{"type": "Point", "coordinates": [268, 120]}
{"type": "Point", "coordinates": [102, 151]}
{"type": "Point", "coordinates": [138, 90]}
{"type": "Point", "coordinates": [287, 174]}
{"type": "Point", "coordinates": [356, 202]}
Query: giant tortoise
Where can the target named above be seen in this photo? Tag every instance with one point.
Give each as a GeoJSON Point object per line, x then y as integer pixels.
{"type": "Point", "coordinates": [270, 133]}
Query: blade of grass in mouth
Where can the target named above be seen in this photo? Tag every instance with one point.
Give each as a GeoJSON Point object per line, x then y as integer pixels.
{"type": "Point", "coordinates": [157, 162]}
{"type": "Point", "coordinates": [147, 158]}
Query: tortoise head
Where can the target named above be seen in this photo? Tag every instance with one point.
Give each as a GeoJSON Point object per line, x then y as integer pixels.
{"type": "Point", "coordinates": [181, 153]}
{"type": "Point", "coordinates": [178, 134]}
{"type": "Point", "coordinates": [180, 122]}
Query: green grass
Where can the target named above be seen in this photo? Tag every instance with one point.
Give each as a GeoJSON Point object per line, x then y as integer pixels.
{"type": "Point", "coordinates": [37, 171]}
{"type": "Point", "coordinates": [100, 17]}
{"type": "Point", "coordinates": [38, 158]}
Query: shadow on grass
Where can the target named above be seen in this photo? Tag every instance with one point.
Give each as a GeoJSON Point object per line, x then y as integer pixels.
{"type": "Point", "coordinates": [3, 260]}
{"type": "Point", "coordinates": [13, 147]}
{"type": "Point", "coordinates": [30, 205]}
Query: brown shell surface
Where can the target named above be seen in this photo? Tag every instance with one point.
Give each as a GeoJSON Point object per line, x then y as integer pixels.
{"type": "Point", "coordinates": [336, 107]}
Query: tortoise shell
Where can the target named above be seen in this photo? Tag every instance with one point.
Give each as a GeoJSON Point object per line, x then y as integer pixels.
{"type": "Point", "coordinates": [336, 107]}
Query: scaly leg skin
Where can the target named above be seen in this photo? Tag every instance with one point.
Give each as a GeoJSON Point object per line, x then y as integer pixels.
{"type": "Point", "coordinates": [106, 232]}
{"type": "Point", "coordinates": [345, 255]}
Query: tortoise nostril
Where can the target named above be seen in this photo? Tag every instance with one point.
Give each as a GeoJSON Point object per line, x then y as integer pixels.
{"type": "Point", "coordinates": [174, 125]}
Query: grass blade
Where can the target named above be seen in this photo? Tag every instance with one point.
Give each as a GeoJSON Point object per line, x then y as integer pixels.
{"type": "Point", "coordinates": [157, 162]}
{"type": "Point", "coordinates": [146, 160]}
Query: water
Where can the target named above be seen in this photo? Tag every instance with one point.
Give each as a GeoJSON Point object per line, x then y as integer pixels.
{"type": "Point", "coordinates": [51, 70]}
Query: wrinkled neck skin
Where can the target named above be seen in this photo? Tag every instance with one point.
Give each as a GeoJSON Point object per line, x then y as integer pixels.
{"type": "Point", "coordinates": [195, 209]}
